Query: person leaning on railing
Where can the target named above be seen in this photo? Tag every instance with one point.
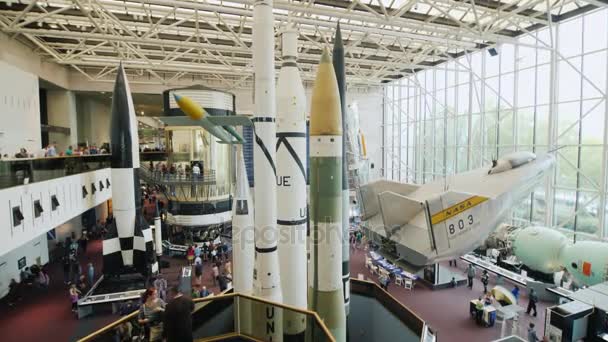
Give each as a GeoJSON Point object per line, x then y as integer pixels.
{"type": "Point", "coordinates": [151, 315]}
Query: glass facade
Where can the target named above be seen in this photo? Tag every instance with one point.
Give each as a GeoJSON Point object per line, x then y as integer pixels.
{"type": "Point", "coordinates": [546, 91]}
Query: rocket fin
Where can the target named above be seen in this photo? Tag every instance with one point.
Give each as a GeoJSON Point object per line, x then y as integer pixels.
{"type": "Point", "coordinates": [234, 133]}
{"type": "Point", "coordinates": [180, 121]}
{"type": "Point", "coordinates": [397, 210]}
{"type": "Point", "coordinates": [230, 120]}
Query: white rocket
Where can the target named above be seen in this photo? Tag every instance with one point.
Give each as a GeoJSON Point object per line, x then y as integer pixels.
{"type": "Point", "coordinates": [243, 248]}
{"type": "Point", "coordinates": [158, 234]}
{"type": "Point", "coordinates": [266, 272]}
{"type": "Point", "coordinates": [242, 230]}
{"type": "Point", "coordinates": [291, 183]}
{"type": "Point", "coordinates": [129, 243]}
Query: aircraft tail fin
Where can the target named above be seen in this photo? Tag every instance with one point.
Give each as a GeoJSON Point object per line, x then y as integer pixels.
{"type": "Point", "coordinates": [452, 215]}
{"type": "Point", "coordinates": [397, 210]}
{"type": "Point", "coordinates": [368, 195]}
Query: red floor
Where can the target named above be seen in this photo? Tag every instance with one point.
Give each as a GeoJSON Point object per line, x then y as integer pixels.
{"type": "Point", "coordinates": [48, 317]}
{"type": "Point", "coordinates": [447, 311]}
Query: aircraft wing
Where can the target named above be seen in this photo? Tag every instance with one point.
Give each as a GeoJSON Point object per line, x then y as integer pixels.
{"type": "Point", "coordinates": [230, 120]}
{"type": "Point", "coordinates": [179, 121]}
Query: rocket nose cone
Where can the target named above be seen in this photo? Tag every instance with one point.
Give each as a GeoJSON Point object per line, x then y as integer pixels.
{"type": "Point", "coordinates": [177, 97]}
{"type": "Point", "coordinates": [325, 56]}
{"type": "Point", "coordinates": [338, 38]}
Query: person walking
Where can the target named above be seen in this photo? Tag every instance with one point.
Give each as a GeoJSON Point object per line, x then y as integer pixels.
{"type": "Point", "coordinates": [515, 293]}
{"type": "Point", "coordinates": [532, 333]}
{"type": "Point", "coordinates": [197, 251]}
{"type": "Point", "coordinates": [74, 295]}
{"type": "Point", "coordinates": [160, 284]}
{"type": "Point", "coordinates": [485, 278]}
{"type": "Point", "coordinates": [66, 269]}
{"type": "Point", "coordinates": [228, 267]}
{"type": "Point", "coordinates": [178, 317]}
{"type": "Point", "coordinates": [190, 255]}
{"type": "Point", "coordinates": [216, 273]}
{"type": "Point", "coordinates": [471, 275]}
{"type": "Point", "coordinates": [533, 299]}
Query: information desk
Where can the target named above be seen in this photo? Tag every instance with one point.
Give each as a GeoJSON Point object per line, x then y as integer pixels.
{"type": "Point", "coordinates": [110, 294]}
{"type": "Point", "coordinates": [488, 316]}
{"type": "Point", "coordinates": [380, 261]}
{"type": "Point", "coordinates": [488, 265]}
{"type": "Point", "coordinates": [174, 250]}
{"type": "Point", "coordinates": [85, 305]}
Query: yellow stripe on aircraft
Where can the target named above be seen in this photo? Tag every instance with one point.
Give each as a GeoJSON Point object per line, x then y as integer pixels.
{"type": "Point", "coordinates": [456, 209]}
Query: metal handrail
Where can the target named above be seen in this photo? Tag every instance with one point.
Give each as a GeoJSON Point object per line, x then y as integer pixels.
{"type": "Point", "coordinates": [420, 323]}
{"type": "Point", "coordinates": [222, 296]}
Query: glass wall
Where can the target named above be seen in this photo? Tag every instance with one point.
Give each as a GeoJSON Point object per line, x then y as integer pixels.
{"type": "Point", "coordinates": [546, 91]}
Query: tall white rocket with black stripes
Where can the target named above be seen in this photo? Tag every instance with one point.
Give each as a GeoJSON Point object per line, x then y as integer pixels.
{"type": "Point", "coordinates": [291, 184]}
{"type": "Point", "coordinates": [128, 246]}
{"type": "Point", "coordinates": [266, 279]}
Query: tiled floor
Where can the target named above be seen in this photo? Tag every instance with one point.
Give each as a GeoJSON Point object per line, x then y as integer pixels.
{"type": "Point", "coordinates": [47, 317]}
{"type": "Point", "coordinates": [447, 311]}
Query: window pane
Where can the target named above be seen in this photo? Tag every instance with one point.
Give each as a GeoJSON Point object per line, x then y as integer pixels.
{"type": "Point", "coordinates": [570, 37]}
{"type": "Point", "coordinates": [587, 220]}
{"type": "Point", "coordinates": [525, 126]}
{"type": "Point", "coordinates": [564, 209]}
{"type": "Point", "coordinates": [596, 29]}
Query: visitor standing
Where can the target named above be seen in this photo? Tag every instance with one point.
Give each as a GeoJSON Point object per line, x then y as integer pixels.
{"type": "Point", "coordinates": [471, 275]}
{"type": "Point", "coordinates": [178, 317]}
{"type": "Point", "coordinates": [150, 315]}
{"type": "Point", "coordinates": [532, 302]}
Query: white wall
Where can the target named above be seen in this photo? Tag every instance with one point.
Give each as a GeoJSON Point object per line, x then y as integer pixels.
{"type": "Point", "coordinates": [17, 54]}
{"type": "Point", "coordinates": [68, 191]}
{"type": "Point", "coordinates": [33, 249]}
{"type": "Point", "coordinates": [93, 119]}
{"type": "Point", "coordinates": [19, 110]}
{"type": "Point", "coordinates": [61, 110]}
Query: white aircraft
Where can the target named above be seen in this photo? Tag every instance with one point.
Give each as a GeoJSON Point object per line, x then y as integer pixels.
{"type": "Point", "coordinates": [450, 217]}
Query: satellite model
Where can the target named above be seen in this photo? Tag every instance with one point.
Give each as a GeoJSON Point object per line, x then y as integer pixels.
{"type": "Point", "coordinates": [450, 217]}
{"type": "Point", "coordinates": [548, 251]}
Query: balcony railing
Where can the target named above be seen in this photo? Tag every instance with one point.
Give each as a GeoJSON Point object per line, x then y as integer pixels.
{"type": "Point", "coordinates": [229, 315]}
{"type": "Point", "coordinates": [19, 171]}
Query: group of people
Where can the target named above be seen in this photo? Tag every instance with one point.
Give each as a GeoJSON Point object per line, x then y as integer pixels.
{"type": "Point", "coordinates": [168, 319]}
{"type": "Point", "coordinates": [195, 169]}
{"type": "Point", "coordinates": [51, 150]}
{"type": "Point", "coordinates": [78, 280]}
{"type": "Point", "coordinates": [487, 298]}
{"type": "Point", "coordinates": [31, 278]}
{"type": "Point", "coordinates": [222, 274]}
{"type": "Point", "coordinates": [208, 251]}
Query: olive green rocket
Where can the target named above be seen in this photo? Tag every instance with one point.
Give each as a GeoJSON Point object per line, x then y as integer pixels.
{"type": "Point", "coordinates": [325, 276]}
